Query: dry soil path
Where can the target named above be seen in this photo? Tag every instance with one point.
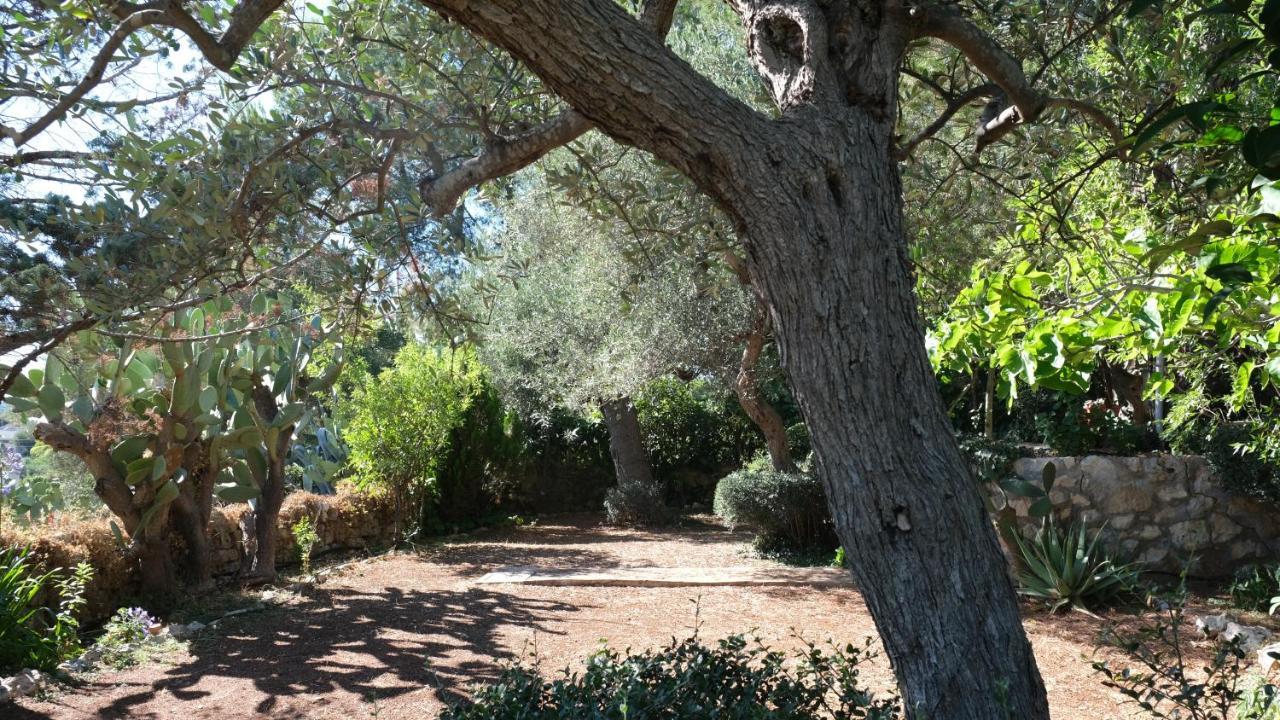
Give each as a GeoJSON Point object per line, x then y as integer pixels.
{"type": "Point", "coordinates": [397, 637]}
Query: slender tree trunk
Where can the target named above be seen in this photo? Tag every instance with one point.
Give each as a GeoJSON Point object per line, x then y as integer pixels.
{"type": "Point", "coordinates": [195, 535]}
{"type": "Point", "coordinates": [266, 518]}
{"type": "Point", "coordinates": [155, 569]}
{"type": "Point", "coordinates": [747, 386]}
{"type": "Point", "coordinates": [266, 512]}
{"type": "Point", "coordinates": [637, 498]}
{"type": "Point", "coordinates": [831, 255]}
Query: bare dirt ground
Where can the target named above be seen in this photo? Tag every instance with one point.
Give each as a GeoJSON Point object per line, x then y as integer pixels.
{"type": "Point", "coordinates": [399, 636]}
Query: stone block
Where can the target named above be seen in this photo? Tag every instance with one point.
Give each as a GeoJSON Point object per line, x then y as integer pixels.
{"type": "Point", "coordinates": [1154, 555]}
{"type": "Point", "coordinates": [1222, 528]}
{"type": "Point", "coordinates": [1189, 535]}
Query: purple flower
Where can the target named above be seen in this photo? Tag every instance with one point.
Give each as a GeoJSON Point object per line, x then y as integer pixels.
{"type": "Point", "coordinates": [139, 616]}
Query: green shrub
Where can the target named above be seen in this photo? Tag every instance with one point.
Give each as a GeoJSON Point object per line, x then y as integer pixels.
{"type": "Point", "coordinates": [786, 510]}
{"type": "Point", "coordinates": [401, 423]}
{"type": "Point", "coordinates": [693, 432]}
{"type": "Point", "coordinates": [479, 470]}
{"type": "Point", "coordinates": [1243, 459]}
{"type": "Point", "coordinates": [1089, 426]}
{"type": "Point", "coordinates": [304, 535]}
{"type": "Point", "coordinates": [32, 635]}
{"type": "Point", "coordinates": [1064, 568]}
{"type": "Point", "coordinates": [1254, 586]}
{"type": "Point", "coordinates": [734, 680]}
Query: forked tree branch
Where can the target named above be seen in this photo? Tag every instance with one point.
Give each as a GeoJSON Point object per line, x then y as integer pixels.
{"type": "Point", "coordinates": [1026, 102]}
{"type": "Point", "coordinates": [221, 52]}
{"type": "Point", "coordinates": [508, 155]}
{"type": "Point", "coordinates": [955, 103]}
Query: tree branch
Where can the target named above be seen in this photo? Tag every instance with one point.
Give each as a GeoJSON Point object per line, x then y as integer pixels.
{"type": "Point", "coordinates": [108, 484]}
{"type": "Point", "coordinates": [984, 52]}
{"type": "Point", "coordinates": [222, 52]}
{"type": "Point", "coordinates": [1026, 102]}
{"type": "Point", "coordinates": [954, 104]}
{"type": "Point", "coordinates": [508, 155]}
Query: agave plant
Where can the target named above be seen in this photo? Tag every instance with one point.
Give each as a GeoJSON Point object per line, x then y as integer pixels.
{"type": "Point", "coordinates": [1067, 568]}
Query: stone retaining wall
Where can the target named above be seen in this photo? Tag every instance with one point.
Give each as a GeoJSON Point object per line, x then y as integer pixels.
{"type": "Point", "coordinates": [347, 521]}
{"type": "Point", "coordinates": [1161, 509]}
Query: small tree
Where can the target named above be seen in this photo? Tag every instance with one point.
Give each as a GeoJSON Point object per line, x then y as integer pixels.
{"type": "Point", "coordinates": [588, 321]}
{"type": "Point", "coordinates": [400, 423]}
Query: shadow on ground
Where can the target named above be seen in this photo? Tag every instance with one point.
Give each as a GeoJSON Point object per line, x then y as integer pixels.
{"type": "Point", "coordinates": [373, 644]}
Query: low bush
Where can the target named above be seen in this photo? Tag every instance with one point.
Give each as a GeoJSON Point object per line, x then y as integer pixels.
{"type": "Point", "coordinates": [1065, 568]}
{"type": "Point", "coordinates": [1254, 586]}
{"type": "Point", "coordinates": [786, 510]}
{"type": "Point", "coordinates": [1244, 459]}
{"type": "Point", "coordinates": [305, 537]}
{"type": "Point", "coordinates": [32, 635]}
{"type": "Point", "coordinates": [734, 680]}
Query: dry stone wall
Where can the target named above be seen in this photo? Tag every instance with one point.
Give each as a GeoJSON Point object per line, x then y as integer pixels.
{"type": "Point", "coordinates": [347, 521]}
{"type": "Point", "coordinates": [1162, 509]}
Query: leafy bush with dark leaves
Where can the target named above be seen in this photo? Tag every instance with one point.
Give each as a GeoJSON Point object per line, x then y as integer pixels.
{"type": "Point", "coordinates": [786, 510]}
{"type": "Point", "coordinates": [687, 680]}
{"type": "Point", "coordinates": [1253, 587]}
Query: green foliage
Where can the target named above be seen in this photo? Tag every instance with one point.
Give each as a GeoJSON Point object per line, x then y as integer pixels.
{"type": "Point", "coordinates": [400, 424]}
{"type": "Point", "coordinates": [1065, 568]}
{"type": "Point", "coordinates": [123, 636]}
{"type": "Point", "coordinates": [32, 635]}
{"type": "Point", "coordinates": [1254, 587]}
{"type": "Point", "coordinates": [733, 680]}
{"type": "Point", "coordinates": [786, 510]}
{"type": "Point", "coordinates": [1244, 455]}
{"type": "Point", "coordinates": [1091, 427]}
{"type": "Point", "coordinates": [305, 537]}
{"type": "Point", "coordinates": [480, 469]}
{"type": "Point", "coordinates": [586, 317]}
{"type": "Point", "coordinates": [693, 431]}
{"type": "Point", "coordinates": [1166, 685]}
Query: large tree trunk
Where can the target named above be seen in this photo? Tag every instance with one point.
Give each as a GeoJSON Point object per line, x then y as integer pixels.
{"type": "Point", "coordinates": [637, 498]}
{"type": "Point", "coordinates": [815, 195]}
{"type": "Point", "coordinates": [832, 257]}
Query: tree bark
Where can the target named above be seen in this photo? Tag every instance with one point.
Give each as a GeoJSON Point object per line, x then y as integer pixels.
{"type": "Point", "coordinates": [266, 513]}
{"type": "Point", "coordinates": [637, 498]}
{"type": "Point", "coordinates": [816, 197]}
{"type": "Point", "coordinates": [829, 248]}
{"type": "Point", "coordinates": [747, 387]}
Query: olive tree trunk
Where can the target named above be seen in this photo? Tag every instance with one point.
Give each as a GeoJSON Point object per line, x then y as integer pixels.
{"type": "Point", "coordinates": [637, 498]}
{"type": "Point", "coordinates": [747, 387]}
